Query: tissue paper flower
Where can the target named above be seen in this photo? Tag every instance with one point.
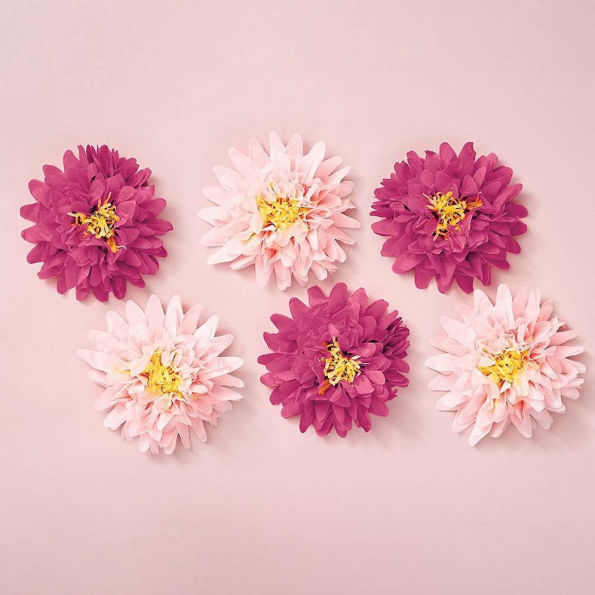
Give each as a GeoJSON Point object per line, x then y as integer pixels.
{"type": "Point", "coordinates": [280, 211]}
{"type": "Point", "coordinates": [162, 374]}
{"type": "Point", "coordinates": [503, 363]}
{"type": "Point", "coordinates": [336, 361]}
{"type": "Point", "coordinates": [96, 223]}
{"type": "Point", "coordinates": [450, 217]}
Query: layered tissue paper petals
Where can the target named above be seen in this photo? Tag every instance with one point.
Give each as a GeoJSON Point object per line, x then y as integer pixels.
{"type": "Point", "coordinates": [162, 373]}
{"type": "Point", "coordinates": [280, 211]}
{"type": "Point", "coordinates": [96, 223]}
{"type": "Point", "coordinates": [449, 217]}
{"type": "Point", "coordinates": [505, 362]}
{"type": "Point", "coordinates": [336, 360]}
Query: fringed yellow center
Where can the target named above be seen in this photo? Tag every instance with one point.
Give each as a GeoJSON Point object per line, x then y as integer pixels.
{"type": "Point", "coordinates": [100, 223]}
{"type": "Point", "coordinates": [338, 366]}
{"type": "Point", "coordinates": [450, 211]}
{"type": "Point", "coordinates": [507, 366]}
{"type": "Point", "coordinates": [282, 213]}
{"type": "Point", "coordinates": [162, 379]}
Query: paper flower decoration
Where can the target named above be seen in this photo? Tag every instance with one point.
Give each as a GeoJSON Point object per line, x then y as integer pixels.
{"type": "Point", "coordinates": [336, 361]}
{"type": "Point", "coordinates": [503, 363]}
{"type": "Point", "coordinates": [162, 374]}
{"type": "Point", "coordinates": [449, 217]}
{"type": "Point", "coordinates": [96, 223]}
{"type": "Point", "coordinates": [280, 211]}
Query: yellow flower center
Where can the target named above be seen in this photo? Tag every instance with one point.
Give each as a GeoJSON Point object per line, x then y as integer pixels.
{"type": "Point", "coordinates": [450, 211]}
{"type": "Point", "coordinates": [162, 379]}
{"type": "Point", "coordinates": [100, 223]}
{"type": "Point", "coordinates": [507, 366]}
{"type": "Point", "coordinates": [338, 366]}
{"type": "Point", "coordinates": [282, 212]}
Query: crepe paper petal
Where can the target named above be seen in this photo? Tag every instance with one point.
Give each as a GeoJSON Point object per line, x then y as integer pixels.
{"type": "Point", "coordinates": [336, 360]}
{"type": "Point", "coordinates": [96, 223]}
{"type": "Point", "coordinates": [507, 362]}
{"type": "Point", "coordinates": [449, 217]}
{"type": "Point", "coordinates": [162, 373]}
{"type": "Point", "coordinates": [280, 211]}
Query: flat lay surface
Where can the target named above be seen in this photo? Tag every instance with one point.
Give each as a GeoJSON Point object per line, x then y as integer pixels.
{"type": "Point", "coordinates": [261, 508]}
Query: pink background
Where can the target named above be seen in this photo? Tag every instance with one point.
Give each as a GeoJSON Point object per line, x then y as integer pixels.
{"type": "Point", "coordinates": [261, 508]}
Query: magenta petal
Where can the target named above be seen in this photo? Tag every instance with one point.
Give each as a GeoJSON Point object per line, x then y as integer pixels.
{"type": "Point", "coordinates": [407, 261]}
{"type": "Point", "coordinates": [363, 385]}
{"type": "Point", "coordinates": [465, 283]}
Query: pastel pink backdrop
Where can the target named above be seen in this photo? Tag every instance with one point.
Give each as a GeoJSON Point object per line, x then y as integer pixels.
{"type": "Point", "coordinates": [261, 508]}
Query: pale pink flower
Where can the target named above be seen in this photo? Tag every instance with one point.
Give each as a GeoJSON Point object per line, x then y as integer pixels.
{"type": "Point", "coordinates": [162, 373]}
{"type": "Point", "coordinates": [280, 211]}
{"type": "Point", "coordinates": [503, 363]}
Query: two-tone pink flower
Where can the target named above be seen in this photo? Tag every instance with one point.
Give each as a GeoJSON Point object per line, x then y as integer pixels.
{"type": "Point", "coordinates": [162, 374]}
{"type": "Point", "coordinates": [507, 362]}
{"type": "Point", "coordinates": [281, 211]}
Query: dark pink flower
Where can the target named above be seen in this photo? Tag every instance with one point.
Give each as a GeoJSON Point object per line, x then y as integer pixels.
{"type": "Point", "coordinates": [336, 360]}
{"type": "Point", "coordinates": [96, 224]}
{"type": "Point", "coordinates": [450, 217]}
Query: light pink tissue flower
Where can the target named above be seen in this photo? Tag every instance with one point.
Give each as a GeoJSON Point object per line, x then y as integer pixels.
{"type": "Point", "coordinates": [162, 373]}
{"type": "Point", "coordinates": [505, 362]}
{"type": "Point", "coordinates": [281, 211]}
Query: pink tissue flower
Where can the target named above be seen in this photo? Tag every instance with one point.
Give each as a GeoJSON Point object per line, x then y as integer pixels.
{"type": "Point", "coordinates": [336, 361]}
{"type": "Point", "coordinates": [503, 363]}
{"type": "Point", "coordinates": [96, 223]}
{"type": "Point", "coordinates": [280, 211]}
{"type": "Point", "coordinates": [449, 216]}
{"type": "Point", "coordinates": [162, 374]}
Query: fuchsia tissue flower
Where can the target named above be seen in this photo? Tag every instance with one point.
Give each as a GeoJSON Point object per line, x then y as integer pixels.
{"type": "Point", "coordinates": [449, 216]}
{"type": "Point", "coordinates": [96, 224]}
{"type": "Point", "coordinates": [280, 211]}
{"type": "Point", "coordinates": [336, 361]}
{"type": "Point", "coordinates": [505, 362]}
{"type": "Point", "coordinates": [162, 373]}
